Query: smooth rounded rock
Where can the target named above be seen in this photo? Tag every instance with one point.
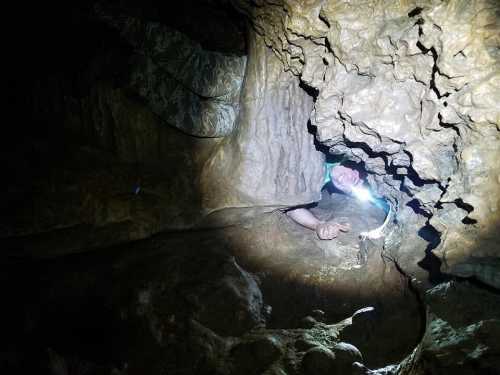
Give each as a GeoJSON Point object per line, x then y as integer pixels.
{"type": "Point", "coordinates": [257, 355]}
{"type": "Point", "coordinates": [318, 361]}
{"type": "Point", "coordinates": [346, 354]}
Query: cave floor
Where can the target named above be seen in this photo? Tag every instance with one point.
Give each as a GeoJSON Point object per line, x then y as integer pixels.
{"type": "Point", "coordinates": [341, 252]}
{"type": "Point", "coordinates": [297, 273]}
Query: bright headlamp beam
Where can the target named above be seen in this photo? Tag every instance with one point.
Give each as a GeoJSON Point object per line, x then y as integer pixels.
{"type": "Point", "coordinates": [362, 194]}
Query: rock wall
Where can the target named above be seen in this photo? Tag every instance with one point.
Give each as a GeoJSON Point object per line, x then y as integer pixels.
{"type": "Point", "coordinates": [148, 134]}
{"type": "Point", "coordinates": [157, 132]}
{"type": "Point", "coordinates": [113, 173]}
{"type": "Point", "coordinates": [411, 90]}
{"type": "Point", "coordinates": [460, 339]}
{"type": "Point", "coordinates": [193, 89]}
{"type": "Point", "coordinates": [268, 157]}
{"type": "Point", "coordinates": [270, 160]}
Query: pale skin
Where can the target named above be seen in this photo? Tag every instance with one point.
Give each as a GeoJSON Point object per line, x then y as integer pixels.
{"type": "Point", "coordinates": [344, 179]}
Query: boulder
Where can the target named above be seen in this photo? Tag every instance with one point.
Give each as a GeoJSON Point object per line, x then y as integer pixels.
{"type": "Point", "coordinates": [318, 360]}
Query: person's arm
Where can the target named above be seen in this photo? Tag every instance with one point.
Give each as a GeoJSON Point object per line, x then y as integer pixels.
{"type": "Point", "coordinates": [324, 230]}
{"type": "Point", "coordinates": [304, 217]}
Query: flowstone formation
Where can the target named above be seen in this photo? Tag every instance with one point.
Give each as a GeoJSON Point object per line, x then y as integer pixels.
{"type": "Point", "coordinates": [270, 161]}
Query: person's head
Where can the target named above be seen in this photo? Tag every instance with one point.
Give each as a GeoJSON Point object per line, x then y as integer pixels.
{"type": "Point", "coordinates": [344, 178]}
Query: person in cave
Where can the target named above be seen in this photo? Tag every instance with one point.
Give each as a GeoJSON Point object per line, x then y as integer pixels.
{"type": "Point", "coordinates": [344, 179]}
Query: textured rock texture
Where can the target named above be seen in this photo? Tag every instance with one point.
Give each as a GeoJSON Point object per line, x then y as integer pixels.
{"type": "Point", "coordinates": [412, 90]}
{"type": "Point", "coordinates": [153, 129]}
{"type": "Point", "coordinates": [300, 273]}
{"type": "Point", "coordinates": [114, 173]}
{"type": "Point", "coordinates": [461, 334]}
{"type": "Point", "coordinates": [111, 164]}
{"type": "Point", "coordinates": [193, 89]}
{"type": "Point", "coordinates": [160, 305]}
{"type": "Point", "coordinates": [270, 159]}
{"type": "Point", "coordinates": [144, 309]}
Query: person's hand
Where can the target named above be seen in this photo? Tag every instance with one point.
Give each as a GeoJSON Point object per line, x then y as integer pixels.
{"type": "Point", "coordinates": [344, 178]}
{"type": "Point", "coordinates": [330, 230]}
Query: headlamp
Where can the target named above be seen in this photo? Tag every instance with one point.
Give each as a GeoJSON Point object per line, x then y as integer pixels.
{"type": "Point", "coordinates": [363, 194]}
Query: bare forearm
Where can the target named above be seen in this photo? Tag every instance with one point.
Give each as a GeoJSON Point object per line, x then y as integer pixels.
{"type": "Point", "coordinates": [304, 217]}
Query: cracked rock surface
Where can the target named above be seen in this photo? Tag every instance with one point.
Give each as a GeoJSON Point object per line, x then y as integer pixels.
{"type": "Point", "coordinates": [411, 90]}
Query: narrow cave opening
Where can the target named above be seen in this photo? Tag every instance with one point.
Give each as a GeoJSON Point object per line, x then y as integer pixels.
{"type": "Point", "coordinates": [316, 281]}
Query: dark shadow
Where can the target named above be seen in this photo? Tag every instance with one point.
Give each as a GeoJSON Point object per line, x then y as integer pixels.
{"type": "Point", "coordinates": [311, 91]}
{"type": "Point", "coordinates": [430, 262]}
{"type": "Point", "coordinates": [414, 204]}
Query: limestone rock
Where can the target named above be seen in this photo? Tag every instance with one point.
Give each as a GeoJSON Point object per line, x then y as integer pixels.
{"type": "Point", "coordinates": [257, 355]}
{"type": "Point", "coordinates": [179, 300]}
{"type": "Point", "coordinates": [318, 360]}
{"type": "Point", "coordinates": [123, 175]}
{"type": "Point", "coordinates": [412, 91]}
{"type": "Point", "coordinates": [190, 88]}
{"type": "Point", "coordinates": [308, 322]}
{"type": "Point", "coordinates": [270, 160]}
{"type": "Point", "coordinates": [346, 354]}
{"type": "Point", "coordinates": [232, 305]}
{"type": "Point", "coordinates": [304, 344]}
{"type": "Point", "coordinates": [461, 334]}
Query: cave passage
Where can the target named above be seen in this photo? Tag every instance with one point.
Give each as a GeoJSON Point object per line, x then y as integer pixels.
{"type": "Point", "coordinates": [155, 147]}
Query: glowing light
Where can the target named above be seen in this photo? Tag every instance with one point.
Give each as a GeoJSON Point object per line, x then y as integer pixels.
{"type": "Point", "coordinates": [378, 232]}
{"type": "Point", "coordinates": [363, 194]}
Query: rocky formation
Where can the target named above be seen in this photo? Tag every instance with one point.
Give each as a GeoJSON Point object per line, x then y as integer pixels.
{"type": "Point", "coordinates": [413, 94]}
{"type": "Point", "coordinates": [118, 169]}
{"type": "Point", "coordinates": [270, 160]}
{"type": "Point", "coordinates": [464, 339]}
{"type": "Point", "coordinates": [415, 99]}
{"type": "Point", "coordinates": [141, 304]}
{"type": "Point", "coordinates": [459, 340]}
{"type": "Point", "coordinates": [188, 87]}
{"type": "Point", "coordinates": [161, 305]}
{"type": "Point", "coordinates": [156, 127]}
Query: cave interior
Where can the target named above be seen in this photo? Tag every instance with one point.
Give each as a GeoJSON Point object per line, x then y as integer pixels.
{"type": "Point", "coordinates": [160, 146]}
